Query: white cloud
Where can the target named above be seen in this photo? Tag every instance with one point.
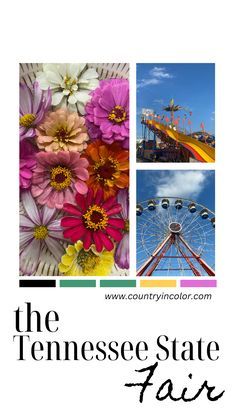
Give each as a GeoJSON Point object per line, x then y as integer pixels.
{"type": "Point", "coordinates": [160, 73]}
{"type": "Point", "coordinates": [184, 184]}
{"type": "Point", "coordinates": [147, 82]}
{"type": "Point", "coordinates": [157, 75]}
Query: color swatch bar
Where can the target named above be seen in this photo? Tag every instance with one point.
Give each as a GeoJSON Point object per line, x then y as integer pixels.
{"type": "Point", "coordinates": [119, 283]}
{"type": "Point", "coordinates": [37, 283]}
{"type": "Point", "coordinates": [158, 283]}
{"type": "Point", "coordinates": [198, 283]}
{"type": "Point", "coordinates": [80, 283]}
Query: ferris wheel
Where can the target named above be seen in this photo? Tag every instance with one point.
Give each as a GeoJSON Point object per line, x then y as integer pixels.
{"type": "Point", "coordinates": [175, 236]}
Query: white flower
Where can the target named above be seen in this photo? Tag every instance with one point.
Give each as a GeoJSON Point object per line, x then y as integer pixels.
{"type": "Point", "coordinates": [70, 83]}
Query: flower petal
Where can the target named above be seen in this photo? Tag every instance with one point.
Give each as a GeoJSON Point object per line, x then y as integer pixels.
{"type": "Point", "coordinates": [54, 225]}
{"type": "Point", "coordinates": [81, 187]}
{"type": "Point", "coordinates": [56, 234]}
{"type": "Point", "coordinates": [54, 78]}
{"type": "Point", "coordinates": [98, 242]}
{"type": "Point", "coordinates": [116, 222]}
{"type": "Point", "coordinates": [122, 253]}
{"type": "Point", "coordinates": [38, 95]}
{"type": "Point", "coordinates": [79, 234]}
{"type": "Point", "coordinates": [89, 197]}
{"type": "Point", "coordinates": [105, 240]}
{"type": "Point", "coordinates": [89, 74]}
{"type": "Point", "coordinates": [25, 99]}
{"type": "Point", "coordinates": [72, 209]}
{"type": "Point", "coordinates": [71, 222]}
{"type": "Point", "coordinates": [74, 69]}
{"type": "Point", "coordinates": [30, 207]}
{"type": "Point", "coordinates": [77, 231]}
{"type": "Point", "coordinates": [57, 98]}
{"type": "Point", "coordinates": [123, 180]}
{"type": "Point", "coordinates": [55, 248]}
{"type": "Point", "coordinates": [109, 203]}
{"type": "Point", "coordinates": [29, 258]}
{"type": "Point", "coordinates": [82, 173]}
{"type": "Point", "coordinates": [114, 210]}
{"type": "Point", "coordinates": [47, 214]}
{"type": "Point", "coordinates": [80, 199]}
{"type": "Point", "coordinates": [25, 237]}
{"type": "Point", "coordinates": [123, 200]}
{"type": "Point", "coordinates": [82, 97]}
{"type": "Point", "coordinates": [87, 239]}
{"type": "Point", "coordinates": [115, 234]}
{"type": "Point", "coordinates": [26, 222]}
{"type": "Point", "coordinates": [98, 197]}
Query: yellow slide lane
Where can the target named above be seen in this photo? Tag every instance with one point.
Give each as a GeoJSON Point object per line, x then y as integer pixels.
{"type": "Point", "coordinates": [205, 151]}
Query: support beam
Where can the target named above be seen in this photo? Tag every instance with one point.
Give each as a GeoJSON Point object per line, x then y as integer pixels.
{"type": "Point", "coordinates": [158, 258]}
{"type": "Point", "coordinates": [193, 269]}
{"type": "Point", "coordinates": [206, 267]}
{"type": "Point", "coordinates": [148, 262]}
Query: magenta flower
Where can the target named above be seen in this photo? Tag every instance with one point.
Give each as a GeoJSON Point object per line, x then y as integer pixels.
{"type": "Point", "coordinates": [92, 221]}
{"type": "Point", "coordinates": [107, 114]}
{"type": "Point", "coordinates": [122, 249]}
{"type": "Point", "coordinates": [39, 228]}
{"type": "Point", "coordinates": [27, 163]}
{"type": "Point", "coordinates": [33, 106]}
{"type": "Point", "coordinates": [58, 177]}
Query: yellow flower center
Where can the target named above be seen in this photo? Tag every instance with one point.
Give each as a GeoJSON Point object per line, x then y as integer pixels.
{"type": "Point", "coordinates": [117, 114]}
{"type": "Point", "coordinates": [69, 83]}
{"type": "Point", "coordinates": [60, 177]}
{"type": "Point", "coordinates": [27, 120]}
{"type": "Point", "coordinates": [87, 260]}
{"type": "Point", "coordinates": [95, 218]}
{"type": "Point", "coordinates": [105, 170]}
{"type": "Point", "coordinates": [40, 233]}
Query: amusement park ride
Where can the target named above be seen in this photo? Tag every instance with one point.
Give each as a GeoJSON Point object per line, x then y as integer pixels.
{"type": "Point", "coordinates": [175, 236]}
{"type": "Point", "coordinates": [164, 141]}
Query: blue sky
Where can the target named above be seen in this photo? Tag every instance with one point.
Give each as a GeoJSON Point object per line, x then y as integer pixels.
{"type": "Point", "coordinates": [190, 85]}
{"type": "Point", "coordinates": [198, 185]}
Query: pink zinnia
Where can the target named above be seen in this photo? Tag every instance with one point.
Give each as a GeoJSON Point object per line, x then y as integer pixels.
{"type": "Point", "coordinates": [58, 177]}
{"type": "Point", "coordinates": [27, 164]}
{"type": "Point", "coordinates": [39, 228]}
{"type": "Point", "coordinates": [107, 114]}
{"type": "Point", "coordinates": [92, 221]}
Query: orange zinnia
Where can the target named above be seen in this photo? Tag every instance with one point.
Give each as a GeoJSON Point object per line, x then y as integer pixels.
{"type": "Point", "coordinates": [108, 167]}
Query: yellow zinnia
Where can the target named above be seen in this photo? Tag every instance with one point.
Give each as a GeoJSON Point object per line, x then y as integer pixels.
{"type": "Point", "coordinates": [80, 262]}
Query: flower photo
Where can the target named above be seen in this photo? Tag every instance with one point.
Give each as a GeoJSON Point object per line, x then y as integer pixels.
{"type": "Point", "coordinates": [74, 169]}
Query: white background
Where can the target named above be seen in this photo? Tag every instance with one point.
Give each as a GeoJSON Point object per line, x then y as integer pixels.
{"type": "Point", "coordinates": [121, 31]}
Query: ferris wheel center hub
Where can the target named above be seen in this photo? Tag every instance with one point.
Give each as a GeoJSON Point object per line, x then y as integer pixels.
{"type": "Point", "coordinates": [175, 227]}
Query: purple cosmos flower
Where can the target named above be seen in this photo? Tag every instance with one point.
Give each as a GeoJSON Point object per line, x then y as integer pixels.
{"type": "Point", "coordinates": [33, 106]}
{"type": "Point", "coordinates": [107, 114]}
{"type": "Point", "coordinates": [39, 228]}
{"type": "Point", "coordinates": [122, 249]}
{"type": "Point", "coordinates": [27, 163]}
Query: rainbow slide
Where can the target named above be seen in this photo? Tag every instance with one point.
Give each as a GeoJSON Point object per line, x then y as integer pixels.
{"type": "Point", "coordinates": [201, 152]}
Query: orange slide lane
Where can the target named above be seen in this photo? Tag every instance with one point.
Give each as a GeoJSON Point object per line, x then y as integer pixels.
{"type": "Point", "coordinates": [202, 152]}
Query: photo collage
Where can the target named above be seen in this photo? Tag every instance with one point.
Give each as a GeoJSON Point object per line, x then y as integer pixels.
{"type": "Point", "coordinates": [76, 175]}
